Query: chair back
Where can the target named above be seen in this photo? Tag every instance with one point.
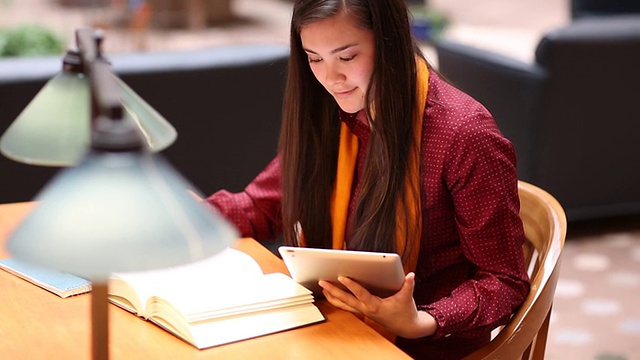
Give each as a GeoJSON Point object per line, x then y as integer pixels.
{"type": "Point", "coordinates": [545, 227]}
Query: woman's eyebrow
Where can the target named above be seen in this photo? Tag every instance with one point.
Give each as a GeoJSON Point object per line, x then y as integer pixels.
{"type": "Point", "coordinates": [334, 51]}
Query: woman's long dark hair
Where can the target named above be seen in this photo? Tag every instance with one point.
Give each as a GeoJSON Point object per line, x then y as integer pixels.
{"type": "Point", "coordinates": [309, 137]}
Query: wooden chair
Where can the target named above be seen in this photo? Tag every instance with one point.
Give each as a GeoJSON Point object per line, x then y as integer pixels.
{"type": "Point", "coordinates": [545, 226]}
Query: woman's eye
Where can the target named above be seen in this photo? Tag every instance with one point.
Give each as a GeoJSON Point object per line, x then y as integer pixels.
{"type": "Point", "coordinates": [315, 60]}
{"type": "Point", "coordinates": [348, 58]}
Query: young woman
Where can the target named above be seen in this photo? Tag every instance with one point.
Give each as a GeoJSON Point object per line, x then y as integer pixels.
{"type": "Point", "coordinates": [378, 153]}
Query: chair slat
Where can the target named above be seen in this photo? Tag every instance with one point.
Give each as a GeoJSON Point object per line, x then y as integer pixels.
{"type": "Point", "coordinates": [545, 225]}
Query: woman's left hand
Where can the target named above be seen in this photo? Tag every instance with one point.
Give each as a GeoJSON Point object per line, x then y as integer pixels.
{"type": "Point", "coordinates": [397, 313]}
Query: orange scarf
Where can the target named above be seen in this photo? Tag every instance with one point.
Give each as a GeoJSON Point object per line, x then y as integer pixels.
{"type": "Point", "coordinates": [347, 156]}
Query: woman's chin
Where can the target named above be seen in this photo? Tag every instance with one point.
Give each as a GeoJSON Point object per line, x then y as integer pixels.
{"type": "Point", "coordinates": [350, 108]}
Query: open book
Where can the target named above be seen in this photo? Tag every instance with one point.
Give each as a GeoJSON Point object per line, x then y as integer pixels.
{"type": "Point", "coordinates": [219, 300]}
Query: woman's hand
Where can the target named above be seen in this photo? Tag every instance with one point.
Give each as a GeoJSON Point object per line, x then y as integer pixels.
{"type": "Point", "coordinates": [397, 313]}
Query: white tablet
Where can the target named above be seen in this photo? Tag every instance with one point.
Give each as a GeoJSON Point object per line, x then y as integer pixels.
{"type": "Point", "coordinates": [380, 273]}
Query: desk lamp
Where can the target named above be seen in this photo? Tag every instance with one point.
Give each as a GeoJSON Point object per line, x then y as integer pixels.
{"type": "Point", "coordinates": [53, 130]}
{"type": "Point", "coordinates": [121, 208]}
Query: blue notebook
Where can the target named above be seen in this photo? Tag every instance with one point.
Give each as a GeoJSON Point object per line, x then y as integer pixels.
{"type": "Point", "coordinates": [59, 283]}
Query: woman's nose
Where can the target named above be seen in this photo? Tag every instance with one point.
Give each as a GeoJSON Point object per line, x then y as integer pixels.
{"type": "Point", "coordinates": [334, 75]}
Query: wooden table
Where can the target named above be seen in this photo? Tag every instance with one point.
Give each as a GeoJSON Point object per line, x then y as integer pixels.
{"type": "Point", "coordinates": [35, 324]}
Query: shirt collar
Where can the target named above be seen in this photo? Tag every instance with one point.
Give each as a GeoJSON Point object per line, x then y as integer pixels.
{"type": "Point", "coordinates": [356, 123]}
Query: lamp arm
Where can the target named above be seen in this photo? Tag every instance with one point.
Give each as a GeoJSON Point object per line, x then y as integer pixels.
{"type": "Point", "coordinates": [89, 43]}
{"type": "Point", "coordinates": [105, 94]}
{"type": "Point", "coordinates": [104, 90]}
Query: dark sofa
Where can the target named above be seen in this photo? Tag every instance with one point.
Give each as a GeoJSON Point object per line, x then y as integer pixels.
{"type": "Point", "coordinates": [225, 103]}
{"type": "Point", "coordinates": [584, 8]}
{"type": "Point", "coordinates": [572, 113]}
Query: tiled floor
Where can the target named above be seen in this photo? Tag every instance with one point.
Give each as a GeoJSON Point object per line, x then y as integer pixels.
{"type": "Point", "coordinates": [596, 312]}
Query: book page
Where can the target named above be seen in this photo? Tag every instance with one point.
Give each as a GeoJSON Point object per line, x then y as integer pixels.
{"type": "Point", "coordinates": [226, 330]}
{"type": "Point", "coordinates": [220, 270]}
{"type": "Point", "coordinates": [213, 317]}
{"type": "Point", "coordinates": [219, 300]}
{"type": "Point", "coordinates": [238, 296]}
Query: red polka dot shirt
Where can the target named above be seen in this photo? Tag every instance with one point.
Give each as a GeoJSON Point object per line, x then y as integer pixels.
{"type": "Point", "coordinates": [470, 275]}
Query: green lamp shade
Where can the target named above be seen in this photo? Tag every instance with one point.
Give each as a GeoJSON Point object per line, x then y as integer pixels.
{"type": "Point", "coordinates": [119, 211]}
{"type": "Point", "coordinates": [54, 129]}
{"type": "Point", "coordinates": [156, 132]}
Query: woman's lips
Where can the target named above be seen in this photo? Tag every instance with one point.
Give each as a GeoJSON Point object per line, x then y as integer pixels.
{"type": "Point", "coordinates": [343, 94]}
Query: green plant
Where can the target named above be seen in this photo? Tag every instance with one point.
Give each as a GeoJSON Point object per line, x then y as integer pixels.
{"type": "Point", "coordinates": [426, 23]}
{"type": "Point", "coordinates": [29, 40]}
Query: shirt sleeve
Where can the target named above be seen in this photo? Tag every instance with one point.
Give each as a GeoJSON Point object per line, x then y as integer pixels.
{"type": "Point", "coordinates": [481, 176]}
{"type": "Point", "coordinates": [256, 211]}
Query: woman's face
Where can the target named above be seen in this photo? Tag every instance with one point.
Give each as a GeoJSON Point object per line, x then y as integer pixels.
{"type": "Point", "coordinates": [341, 57]}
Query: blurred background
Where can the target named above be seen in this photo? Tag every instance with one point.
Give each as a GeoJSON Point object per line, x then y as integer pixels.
{"type": "Point", "coordinates": [596, 314]}
{"type": "Point", "coordinates": [513, 27]}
